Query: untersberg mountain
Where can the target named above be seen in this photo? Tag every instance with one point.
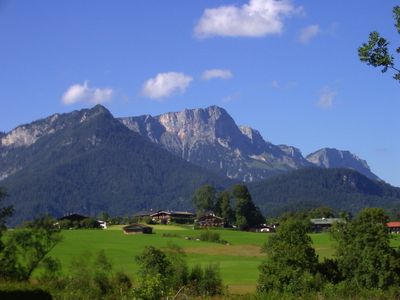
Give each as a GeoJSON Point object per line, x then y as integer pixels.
{"type": "Point", "coordinates": [211, 139]}
{"type": "Point", "coordinates": [87, 161]}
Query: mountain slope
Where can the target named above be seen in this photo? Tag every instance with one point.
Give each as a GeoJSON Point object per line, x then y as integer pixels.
{"type": "Point", "coordinates": [211, 139]}
{"type": "Point", "coordinates": [88, 162]}
{"type": "Point", "coordinates": [342, 189]}
{"type": "Point", "coordinates": [333, 158]}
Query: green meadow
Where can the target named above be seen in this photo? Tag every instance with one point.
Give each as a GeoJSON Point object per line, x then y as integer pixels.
{"type": "Point", "coordinates": [238, 261]}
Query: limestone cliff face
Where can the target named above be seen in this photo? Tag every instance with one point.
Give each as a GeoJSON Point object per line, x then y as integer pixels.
{"type": "Point", "coordinates": [211, 139]}
{"type": "Point", "coordinates": [334, 158]}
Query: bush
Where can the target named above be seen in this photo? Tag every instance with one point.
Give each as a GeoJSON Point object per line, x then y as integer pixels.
{"type": "Point", "coordinates": [65, 224]}
{"type": "Point", "coordinates": [91, 278]}
{"type": "Point", "coordinates": [169, 235]}
{"type": "Point", "coordinates": [164, 273]}
{"type": "Point", "coordinates": [212, 282]}
{"type": "Point", "coordinates": [210, 236]}
{"type": "Point", "coordinates": [21, 291]}
{"type": "Point", "coordinates": [89, 223]}
{"type": "Point", "coordinates": [205, 282]}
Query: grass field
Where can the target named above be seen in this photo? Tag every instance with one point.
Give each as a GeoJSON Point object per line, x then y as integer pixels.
{"type": "Point", "coordinates": [238, 261]}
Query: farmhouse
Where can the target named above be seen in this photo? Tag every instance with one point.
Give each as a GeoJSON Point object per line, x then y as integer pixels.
{"type": "Point", "coordinates": [210, 220]}
{"type": "Point", "coordinates": [137, 229]}
{"type": "Point", "coordinates": [394, 227]}
{"type": "Point", "coordinates": [167, 216]}
{"type": "Point", "coordinates": [324, 223]}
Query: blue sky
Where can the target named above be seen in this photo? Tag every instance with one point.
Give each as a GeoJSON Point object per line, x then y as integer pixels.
{"type": "Point", "coordinates": [289, 68]}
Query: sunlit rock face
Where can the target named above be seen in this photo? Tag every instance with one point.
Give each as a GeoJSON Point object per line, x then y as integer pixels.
{"type": "Point", "coordinates": [334, 158]}
{"type": "Point", "coordinates": [211, 139]}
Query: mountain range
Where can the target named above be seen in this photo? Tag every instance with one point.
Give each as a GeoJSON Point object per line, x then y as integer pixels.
{"type": "Point", "coordinates": [88, 161]}
{"type": "Point", "coordinates": [210, 138]}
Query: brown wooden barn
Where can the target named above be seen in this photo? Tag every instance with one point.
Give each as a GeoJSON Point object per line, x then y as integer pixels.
{"type": "Point", "coordinates": [137, 229]}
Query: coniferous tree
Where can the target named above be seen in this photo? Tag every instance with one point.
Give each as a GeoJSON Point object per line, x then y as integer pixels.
{"type": "Point", "coordinates": [246, 213]}
{"type": "Point", "coordinates": [204, 199]}
{"type": "Point", "coordinates": [227, 213]}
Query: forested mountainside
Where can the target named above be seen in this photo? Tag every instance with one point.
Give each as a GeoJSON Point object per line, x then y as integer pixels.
{"type": "Point", "coordinates": [88, 162]}
{"type": "Point", "coordinates": [341, 189]}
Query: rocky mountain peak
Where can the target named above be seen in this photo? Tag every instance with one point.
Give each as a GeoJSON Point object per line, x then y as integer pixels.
{"type": "Point", "coordinates": [291, 151]}
{"type": "Point", "coordinates": [207, 137]}
{"type": "Point", "coordinates": [28, 134]}
{"type": "Point", "coordinates": [210, 123]}
{"type": "Point", "coordinates": [334, 158]}
{"type": "Point", "coordinates": [210, 138]}
{"type": "Point", "coordinates": [254, 135]}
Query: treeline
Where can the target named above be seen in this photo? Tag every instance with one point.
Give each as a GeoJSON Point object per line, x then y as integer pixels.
{"type": "Point", "coordinates": [235, 206]}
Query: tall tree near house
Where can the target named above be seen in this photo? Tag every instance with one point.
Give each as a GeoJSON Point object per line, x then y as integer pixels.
{"type": "Point", "coordinates": [227, 213]}
{"type": "Point", "coordinates": [376, 51]}
{"type": "Point", "coordinates": [247, 214]}
{"type": "Point", "coordinates": [204, 199]}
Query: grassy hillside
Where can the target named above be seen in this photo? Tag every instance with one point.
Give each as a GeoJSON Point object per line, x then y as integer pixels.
{"type": "Point", "coordinates": [238, 262]}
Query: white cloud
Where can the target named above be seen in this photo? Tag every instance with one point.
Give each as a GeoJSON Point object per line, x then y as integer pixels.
{"type": "Point", "coordinates": [327, 98]}
{"type": "Point", "coordinates": [83, 93]}
{"type": "Point", "coordinates": [275, 84]}
{"type": "Point", "coordinates": [216, 73]}
{"type": "Point", "coordinates": [308, 33]}
{"type": "Point", "coordinates": [166, 84]}
{"type": "Point", "coordinates": [255, 19]}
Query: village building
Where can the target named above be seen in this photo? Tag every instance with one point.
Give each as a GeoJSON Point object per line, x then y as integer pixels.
{"type": "Point", "coordinates": [168, 216]}
{"type": "Point", "coordinates": [210, 220]}
{"type": "Point", "coordinates": [322, 224]}
{"type": "Point", "coordinates": [394, 227]}
{"type": "Point", "coordinates": [137, 229]}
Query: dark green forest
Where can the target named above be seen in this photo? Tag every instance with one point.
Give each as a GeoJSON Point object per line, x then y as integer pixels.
{"type": "Point", "coordinates": [341, 189]}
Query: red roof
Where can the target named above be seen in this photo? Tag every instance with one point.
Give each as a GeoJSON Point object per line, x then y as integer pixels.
{"type": "Point", "coordinates": [393, 224]}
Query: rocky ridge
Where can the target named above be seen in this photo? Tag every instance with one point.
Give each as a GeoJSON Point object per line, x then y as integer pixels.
{"type": "Point", "coordinates": [207, 137]}
{"type": "Point", "coordinates": [210, 138]}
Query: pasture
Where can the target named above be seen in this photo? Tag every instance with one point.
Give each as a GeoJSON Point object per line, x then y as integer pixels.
{"type": "Point", "coordinates": [238, 261]}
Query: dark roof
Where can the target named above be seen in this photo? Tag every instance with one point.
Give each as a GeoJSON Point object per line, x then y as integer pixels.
{"type": "Point", "coordinates": [136, 227]}
{"type": "Point", "coordinates": [210, 216]}
{"type": "Point", "coordinates": [73, 217]}
{"type": "Point", "coordinates": [172, 212]}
